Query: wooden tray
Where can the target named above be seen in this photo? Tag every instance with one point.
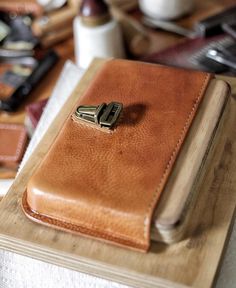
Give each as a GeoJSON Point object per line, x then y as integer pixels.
{"type": "Point", "coordinates": [190, 263]}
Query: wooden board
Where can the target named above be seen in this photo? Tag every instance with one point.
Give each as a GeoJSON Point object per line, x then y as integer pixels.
{"type": "Point", "coordinates": [191, 263]}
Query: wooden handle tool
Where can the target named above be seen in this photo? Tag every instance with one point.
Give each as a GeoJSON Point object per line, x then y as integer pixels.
{"type": "Point", "coordinates": [136, 36]}
{"type": "Point", "coordinates": [57, 36]}
{"type": "Point", "coordinates": [53, 21]}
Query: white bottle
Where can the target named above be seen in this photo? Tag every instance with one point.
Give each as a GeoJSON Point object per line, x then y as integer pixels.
{"type": "Point", "coordinates": [96, 34]}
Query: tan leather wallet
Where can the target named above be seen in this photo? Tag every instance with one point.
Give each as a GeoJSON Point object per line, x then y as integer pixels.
{"type": "Point", "coordinates": [107, 168]}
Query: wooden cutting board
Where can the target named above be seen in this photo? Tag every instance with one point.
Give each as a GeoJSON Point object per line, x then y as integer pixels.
{"type": "Point", "coordinates": [190, 263]}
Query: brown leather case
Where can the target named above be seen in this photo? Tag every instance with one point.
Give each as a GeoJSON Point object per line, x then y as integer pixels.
{"type": "Point", "coordinates": [106, 185]}
{"type": "Point", "coordinates": [13, 139]}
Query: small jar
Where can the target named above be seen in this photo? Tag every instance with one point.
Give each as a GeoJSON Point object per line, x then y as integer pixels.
{"type": "Point", "coordinates": [96, 34]}
{"type": "Point", "coordinates": [166, 9]}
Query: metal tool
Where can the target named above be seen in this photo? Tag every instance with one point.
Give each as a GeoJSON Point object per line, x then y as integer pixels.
{"type": "Point", "coordinates": [27, 61]}
{"type": "Point", "coordinates": [213, 25]}
{"type": "Point", "coordinates": [222, 58]}
{"type": "Point", "coordinates": [11, 53]}
{"type": "Point", "coordinates": [23, 91]}
{"type": "Point", "coordinates": [168, 26]}
{"type": "Point", "coordinates": [104, 115]}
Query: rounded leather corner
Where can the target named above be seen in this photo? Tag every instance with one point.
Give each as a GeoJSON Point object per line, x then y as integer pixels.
{"type": "Point", "coordinates": [32, 193]}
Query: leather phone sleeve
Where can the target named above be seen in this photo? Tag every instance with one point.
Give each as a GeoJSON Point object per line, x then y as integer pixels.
{"type": "Point", "coordinates": [107, 185]}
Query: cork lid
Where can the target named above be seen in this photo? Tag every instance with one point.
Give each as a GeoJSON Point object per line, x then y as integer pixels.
{"type": "Point", "coordinates": [94, 12]}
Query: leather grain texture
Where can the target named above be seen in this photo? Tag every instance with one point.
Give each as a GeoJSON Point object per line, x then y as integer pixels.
{"type": "Point", "coordinates": [106, 185]}
{"type": "Point", "coordinates": [13, 140]}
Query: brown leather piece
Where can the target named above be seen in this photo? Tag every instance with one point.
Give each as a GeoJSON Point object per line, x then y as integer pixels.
{"type": "Point", "coordinates": [13, 140]}
{"type": "Point", "coordinates": [106, 185]}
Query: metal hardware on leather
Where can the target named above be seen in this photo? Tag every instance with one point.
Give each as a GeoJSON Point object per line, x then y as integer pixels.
{"type": "Point", "coordinates": [104, 115]}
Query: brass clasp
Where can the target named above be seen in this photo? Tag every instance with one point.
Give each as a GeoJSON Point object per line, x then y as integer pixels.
{"type": "Point", "coordinates": [104, 115]}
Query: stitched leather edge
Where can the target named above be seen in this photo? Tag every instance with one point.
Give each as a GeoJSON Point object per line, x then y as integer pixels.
{"type": "Point", "coordinates": [20, 144]}
{"type": "Point", "coordinates": [156, 195]}
{"type": "Point", "coordinates": [76, 229]}
{"type": "Point", "coordinates": [22, 140]}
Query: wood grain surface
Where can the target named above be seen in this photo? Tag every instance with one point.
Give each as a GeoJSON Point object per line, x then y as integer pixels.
{"type": "Point", "coordinates": [190, 263]}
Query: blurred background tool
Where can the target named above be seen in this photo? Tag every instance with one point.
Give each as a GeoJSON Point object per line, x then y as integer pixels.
{"type": "Point", "coordinates": [212, 25]}
{"type": "Point", "coordinates": [54, 21]}
{"type": "Point", "coordinates": [21, 7]}
{"type": "Point", "coordinates": [20, 36]}
{"type": "Point", "coordinates": [168, 27]}
{"type": "Point", "coordinates": [136, 36]}
{"type": "Point", "coordinates": [12, 103]}
{"type": "Point", "coordinates": [222, 58]}
{"type": "Point", "coordinates": [4, 30]}
{"type": "Point", "coordinates": [55, 26]}
{"type": "Point", "coordinates": [192, 54]}
{"type": "Point", "coordinates": [55, 37]}
{"type": "Point", "coordinates": [230, 28]}
{"type": "Point", "coordinates": [211, 45]}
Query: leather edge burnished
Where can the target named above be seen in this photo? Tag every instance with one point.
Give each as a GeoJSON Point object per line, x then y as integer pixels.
{"type": "Point", "coordinates": [79, 230]}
